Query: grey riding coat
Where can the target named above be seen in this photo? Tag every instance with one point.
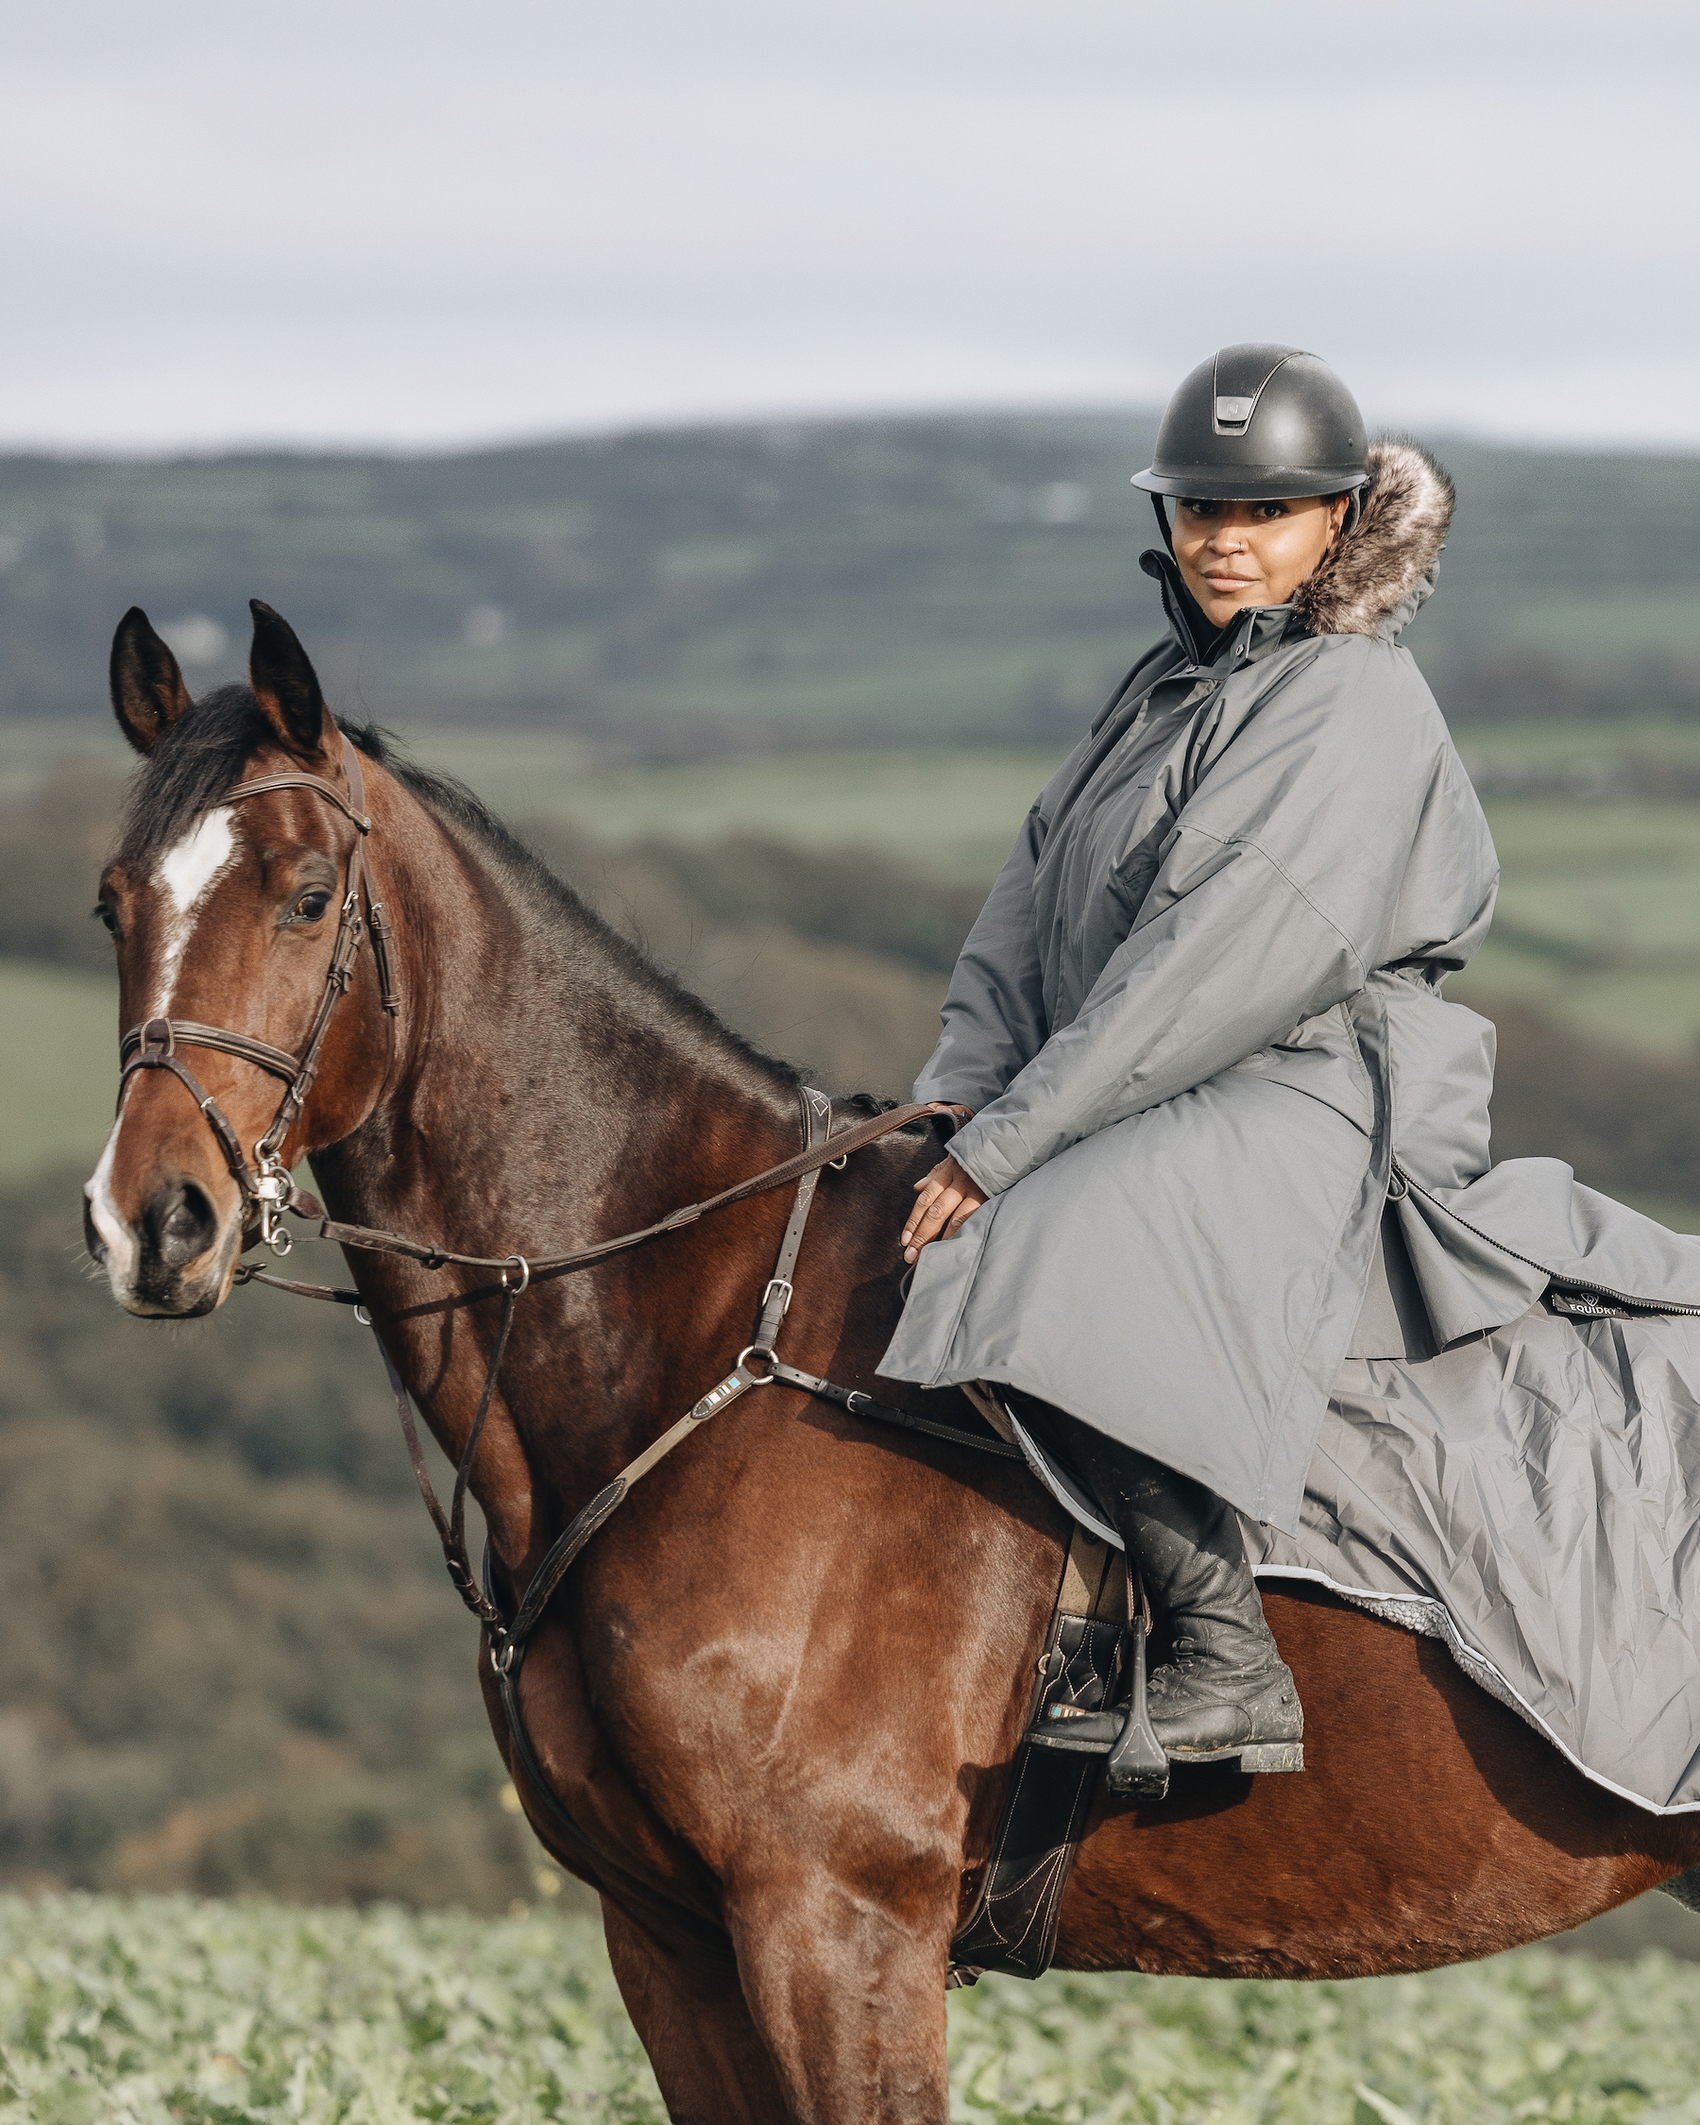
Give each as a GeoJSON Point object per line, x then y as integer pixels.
{"type": "Point", "coordinates": [1201, 1024]}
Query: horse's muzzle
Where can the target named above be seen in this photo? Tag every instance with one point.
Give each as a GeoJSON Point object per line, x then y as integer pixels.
{"type": "Point", "coordinates": [174, 1259]}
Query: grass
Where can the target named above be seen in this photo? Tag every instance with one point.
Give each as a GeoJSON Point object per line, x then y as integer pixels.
{"type": "Point", "coordinates": [952, 810]}
{"type": "Point", "coordinates": [1567, 747]}
{"type": "Point", "coordinates": [160, 2010]}
{"type": "Point", "coordinates": [58, 1068]}
{"type": "Point", "coordinates": [154, 2010]}
{"type": "Point", "coordinates": [1598, 922]}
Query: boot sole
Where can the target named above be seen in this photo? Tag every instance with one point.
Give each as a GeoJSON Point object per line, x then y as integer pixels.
{"type": "Point", "coordinates": [1253, 1756]}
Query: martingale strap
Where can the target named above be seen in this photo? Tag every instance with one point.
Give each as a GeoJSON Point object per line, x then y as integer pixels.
{"type": "Point", "coordinates": [756, 1366]}
{"type": "Point", "coordinates": [508, 1638]}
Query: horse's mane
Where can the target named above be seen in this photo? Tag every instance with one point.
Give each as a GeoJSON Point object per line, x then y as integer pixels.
{"type": "Point", "coordinates": [200, 757]}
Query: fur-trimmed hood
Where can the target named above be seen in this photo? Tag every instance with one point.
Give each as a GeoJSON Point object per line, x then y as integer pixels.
{"type": "Point", "coordinates": [1373, 580]}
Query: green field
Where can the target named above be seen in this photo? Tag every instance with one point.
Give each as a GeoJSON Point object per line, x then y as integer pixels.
{"type": "Point", "coordinates": [161, 2011]}
{"type": "Point", "coordinates": [1598, 922]}
{"type": "Point", "coordinates": [942, 579]}
{"type": "Point", "coordinates": [951, 810]}
{"type": "Point", "coordinates": [59, 1069]}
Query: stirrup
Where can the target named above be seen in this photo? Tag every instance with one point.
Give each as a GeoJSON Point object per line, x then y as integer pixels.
{"type": "Point", "coordinates": [1136, 1766]}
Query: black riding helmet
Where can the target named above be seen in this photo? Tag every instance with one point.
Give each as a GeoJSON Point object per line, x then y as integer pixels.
{"type": "Point", "coordinates": [1254, 423]}
{"type": "Point", "coordinates": [1258, 423]}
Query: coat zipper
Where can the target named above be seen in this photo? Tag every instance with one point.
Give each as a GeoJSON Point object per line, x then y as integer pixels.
{"type": "Point", "coordinates": [1563, 1283]}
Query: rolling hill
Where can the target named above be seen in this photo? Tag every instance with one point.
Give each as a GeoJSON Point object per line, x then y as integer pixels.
{"type": "Point", "coordinates": [682, 593]}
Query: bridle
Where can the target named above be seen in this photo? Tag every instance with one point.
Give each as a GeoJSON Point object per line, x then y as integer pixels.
{"type": "Point", "coordinates": [267, 1190]}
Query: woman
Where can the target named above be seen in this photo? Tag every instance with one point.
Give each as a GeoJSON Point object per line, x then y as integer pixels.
{"type": "Point", "coordinates": [1225, 1133]}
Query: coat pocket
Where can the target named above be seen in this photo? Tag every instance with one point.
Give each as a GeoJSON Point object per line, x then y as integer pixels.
{"type": "Point", "coordinates": [1147, 833]}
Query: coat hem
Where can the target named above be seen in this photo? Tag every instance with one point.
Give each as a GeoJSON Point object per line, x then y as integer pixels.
{"type": "Point", "coordinates": [1438, 1621]}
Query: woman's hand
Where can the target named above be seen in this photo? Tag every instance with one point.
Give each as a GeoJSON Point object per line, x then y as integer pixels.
{"type": "Point", "coordinates": [947, 1198]}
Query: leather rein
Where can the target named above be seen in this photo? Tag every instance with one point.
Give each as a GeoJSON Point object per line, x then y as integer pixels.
{"type": "Point", "coordinates": [267, 1191]}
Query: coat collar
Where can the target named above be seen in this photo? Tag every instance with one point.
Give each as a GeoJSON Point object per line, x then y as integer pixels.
{"type": "Point", "coordinates": [1375, 579]}
{"type": "Point", "coordinates": [1247, 638]}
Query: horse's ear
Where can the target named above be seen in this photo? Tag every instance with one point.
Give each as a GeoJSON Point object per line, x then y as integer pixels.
{"type": "Point", "coordinates": [286, 685]}
{"type": "Point", "coordinates": [147, 686]}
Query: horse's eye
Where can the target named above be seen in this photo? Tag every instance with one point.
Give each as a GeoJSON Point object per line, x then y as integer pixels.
{"type": "Point", "coordinates": [102, 911]}
{"type": "Point", "coordinates": [310, 907]}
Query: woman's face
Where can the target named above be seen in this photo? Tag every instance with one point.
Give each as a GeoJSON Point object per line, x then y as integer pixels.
{"type": "Point", "coordinates": [1235, 554]}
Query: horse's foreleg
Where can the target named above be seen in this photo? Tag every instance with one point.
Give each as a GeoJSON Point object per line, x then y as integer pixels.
{"type": "Point", "coordinates": [690, 2016]}
{"type": "Point", "coordinates": [850, 2002]}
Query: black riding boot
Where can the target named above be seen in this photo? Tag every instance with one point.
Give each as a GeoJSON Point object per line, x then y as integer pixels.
{"type": "Point", "coordinates": [1224, 1689]}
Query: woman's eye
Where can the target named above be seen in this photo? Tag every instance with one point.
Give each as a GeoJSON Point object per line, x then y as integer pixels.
{"type": "Point", "coordinates": [1272, 509]}
{"type": "Point", "coordinates": [310, 907]}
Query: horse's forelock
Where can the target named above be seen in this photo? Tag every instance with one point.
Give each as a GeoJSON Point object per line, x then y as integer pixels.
{"type": "Point", "coordinates": [195, 761]}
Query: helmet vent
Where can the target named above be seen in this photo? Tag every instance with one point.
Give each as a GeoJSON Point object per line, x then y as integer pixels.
{"type": "Point", "coordinates": [1234, 412]}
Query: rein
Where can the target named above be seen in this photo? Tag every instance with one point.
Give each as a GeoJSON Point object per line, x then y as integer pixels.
{"type": "Point", "coordinates": [267, 1191]}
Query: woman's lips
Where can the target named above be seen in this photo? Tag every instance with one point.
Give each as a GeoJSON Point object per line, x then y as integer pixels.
{"type": "Point", "coordinates": [1229, 582]}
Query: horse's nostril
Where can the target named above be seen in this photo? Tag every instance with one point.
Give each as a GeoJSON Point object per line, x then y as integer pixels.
{"type": "Point", "coordinates": [179, 1225]}
{"type": "Point", "coordinates": [91, 1234]}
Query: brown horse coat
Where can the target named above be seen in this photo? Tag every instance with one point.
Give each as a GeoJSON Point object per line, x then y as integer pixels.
{"type": "Point", "coordinates": [779, 1692]}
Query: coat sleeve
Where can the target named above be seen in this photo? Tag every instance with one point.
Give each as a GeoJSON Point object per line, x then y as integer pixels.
{"type": "Point", "coordinates": [1270, 905]}
{"type": "Point", "coordinates": [994, 1013]}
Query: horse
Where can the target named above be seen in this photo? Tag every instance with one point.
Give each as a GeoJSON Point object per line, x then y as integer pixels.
{"type": "Point", "coordinates": [773, 1705]}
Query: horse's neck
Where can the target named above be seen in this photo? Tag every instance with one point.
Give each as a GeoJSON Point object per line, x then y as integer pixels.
{"type": "Point", "coordinates": [551, 1081]}
{"type": "Point", "coordinates": [549, 1090]}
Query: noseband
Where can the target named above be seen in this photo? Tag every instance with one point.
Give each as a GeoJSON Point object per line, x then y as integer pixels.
{"type": "Point", "coordinates": [267, 1190]}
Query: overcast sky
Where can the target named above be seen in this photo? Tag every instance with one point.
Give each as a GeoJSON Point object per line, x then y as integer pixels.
{"type": "Point", "coordinates": [359, 221]}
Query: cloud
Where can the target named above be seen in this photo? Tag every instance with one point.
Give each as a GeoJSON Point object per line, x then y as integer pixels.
{"type": "Point", "coordinates": [432, 224]}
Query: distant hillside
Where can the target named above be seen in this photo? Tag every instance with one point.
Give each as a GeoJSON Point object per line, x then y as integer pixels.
{"type": "Point", "coordinates": [701, 591]}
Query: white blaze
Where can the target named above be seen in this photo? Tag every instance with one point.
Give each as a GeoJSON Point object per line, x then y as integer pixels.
{"type": "Point", "coordinates": [185, 872]}
{"type": "Point", "coordinates": [120, 1244]}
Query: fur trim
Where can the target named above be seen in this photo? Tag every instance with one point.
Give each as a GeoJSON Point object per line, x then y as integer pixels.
{"type": "Point", "coordinates": [1395, 543]}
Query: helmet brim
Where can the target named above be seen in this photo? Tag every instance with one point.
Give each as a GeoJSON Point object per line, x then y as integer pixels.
{"type": "Point", "coordinates": [1268, 483]}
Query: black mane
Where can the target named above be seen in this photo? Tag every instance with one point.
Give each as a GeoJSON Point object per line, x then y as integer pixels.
{"type": "Point", "coordinates": [201, 756]}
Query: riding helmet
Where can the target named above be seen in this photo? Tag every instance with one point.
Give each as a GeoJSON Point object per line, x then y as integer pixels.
{"type": "Point", "coordinates": [1258, 422]}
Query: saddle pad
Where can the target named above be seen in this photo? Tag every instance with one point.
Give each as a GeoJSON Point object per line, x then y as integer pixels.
{"type": "Point", "coordinates": [1530, 1497]}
